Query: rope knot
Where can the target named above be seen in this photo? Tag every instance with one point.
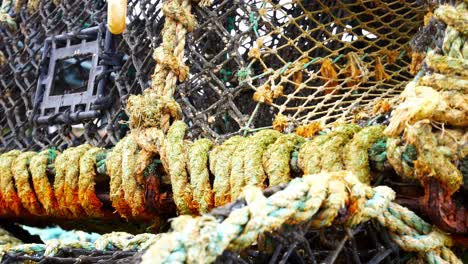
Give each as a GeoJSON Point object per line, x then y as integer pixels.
{"type": "Point", "coordinates": [171, 62]}
{"type": "Point", "coordinates": [148, 110]}
{"type": "Point", "coordinates": [176, 12]}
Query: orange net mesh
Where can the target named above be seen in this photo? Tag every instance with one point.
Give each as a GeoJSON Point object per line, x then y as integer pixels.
{"type": "Point", "coordinates": [322, 60]}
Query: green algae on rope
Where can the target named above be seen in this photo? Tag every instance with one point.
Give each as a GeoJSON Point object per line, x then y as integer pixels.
{"type": "Point", "coordinates": [237, 173]}
{"type": "Point", "coordinates": [87, 182]}
{"type": "Point", "coordinates": [114, 170]}
{"type": "Point", "coordinates": [254, 174]}
{"type": "Point", "coordinates": [132, 183]}
{"type": "Point", "coordinates": [430, 162]}
{"type": "Point", "coordinates": [147, 110]}
{"type": "Point", "coordinates": [220, 166]}
{"type": "Point", "coordinates": [356, 157]}
{"type": "Point", "coordinates": [12, 203]}
{"type": "Point", "coordinates": [67, 171]}
{"type": "Point", "coordinates": [277, 158]}
{"type": "Point", "coordinates": [24, 187]}
{"type": "Point", "coordinates": [311, 154]}
{"type": "Point", "coordinates": [309, 157]}
{"type": "Point", "coordinates": [176, 159]}
{"type": "Point", "coordinates": [332, 150]}
{"type": "Point", "coordinates": [447, 65]}
{"type": "Point", "coordinates": [42, 187]}
{"type": "Point", "coordinates": [198, 154]}
{"type": "Point", "coordinates": [444, 82]}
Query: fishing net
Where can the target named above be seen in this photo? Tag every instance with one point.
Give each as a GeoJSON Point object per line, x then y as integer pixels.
{"type": "Point", "coordinates": [249, 61]}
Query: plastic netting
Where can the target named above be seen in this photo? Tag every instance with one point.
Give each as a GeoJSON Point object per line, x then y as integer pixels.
{"type": "Point", "coordinates": [275, 52]}
{"type": "Point", "coordinates": [323, 59]}
{"type": "Point", "coordinates": [23, 48]}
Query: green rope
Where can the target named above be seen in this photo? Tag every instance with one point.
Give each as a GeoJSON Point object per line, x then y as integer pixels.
{"type": "Point", "coordinates": [108, 242]}
{"type": "Point", "coordinates": [314, 60]}
{"type": "Point", "coordinates": [338, 58]}
{"type": "Point", "coordinates": [410, 154]}
{"type": "Point", "coordinates": [254, 22]}
{"type": "Point", "coordinates": [243, 74]}
{"type": "Point", "coordinates": [378, 154]}
{"type": "Point", "coordinates": [101, 163]}
{"type": "Point", "coordinates": [52, 155]}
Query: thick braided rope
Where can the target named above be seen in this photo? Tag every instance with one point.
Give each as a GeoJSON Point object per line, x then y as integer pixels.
{"type": "Point", "coordinates": [202, 239]}
{"type": "Point", "coordinates": [230, 163]}
{"type": "Point", "coordinates": [439, 96]}
{"type": "Point", "coordinates": [42, 187]}
{"type": "Point", "coordinates": [87, 181]}
{"type": "Point", "coordinates": [7, 241]}
{"type": "Point", "coordinates": [10, 199]}
{"type": "Point", "coordinates": [169, 55]}
{"type": "Point", "coordinates": [330, 199]}
{"type": "Point", "coordinates": [156, 107]}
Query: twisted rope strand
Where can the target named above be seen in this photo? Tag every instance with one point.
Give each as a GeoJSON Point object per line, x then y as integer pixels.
{"type": "Point", "coordinates": [202, 239]}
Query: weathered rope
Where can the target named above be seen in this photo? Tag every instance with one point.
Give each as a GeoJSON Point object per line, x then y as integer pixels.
{"type": "Point", "coordinates": [43, 189]}
{"type": "Point", "coordinates": [439, 96]}
{"type": "Point", "coordinates": [442, 95]}
{"type": "Point", "coordinates": [262, 159]}
{"type": "Point", "coordinates": [202, 239]}
{"type": "Point", "coordinates": [108, 242]}
{"type": "Point", "coordinates": [87, 181]}
{"type": "Point", "coordinates": [7, 241]}
{"type": "Point", "coordinates": [156, 107]}
{"type": "Point", "coordinates": [9, 195]}
{"type": "Point", "coordinates": [21, 176]}
{"type": "Point", "coordinates": [5, 18]}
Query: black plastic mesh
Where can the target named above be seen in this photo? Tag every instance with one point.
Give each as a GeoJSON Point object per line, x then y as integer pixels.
{"type": "Point", "coordinates": [19, 75]}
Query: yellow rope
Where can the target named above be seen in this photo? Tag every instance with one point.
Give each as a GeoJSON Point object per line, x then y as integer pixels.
{"type": "Point", "coordinates": [87, 181]}
{"type": "Point", "coordinates": [42, 187]}
{"type": "Point", "coordinates": [359, 147]}
{"type": "Point", "coordinates": [21, 175]}
{"type": "Point", "coordinates": [200, 175]}
{"type": "Point", "coordinates": [277, 158]}
{"type": "Point", "coordinates": [10, 197]}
